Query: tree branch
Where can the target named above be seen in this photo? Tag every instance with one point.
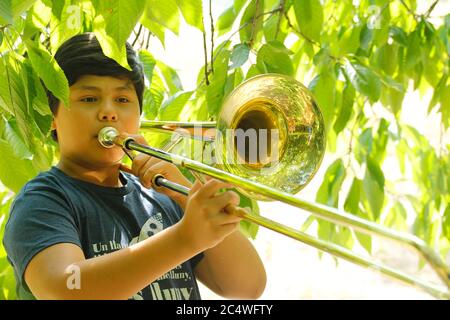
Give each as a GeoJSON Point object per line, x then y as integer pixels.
{"type": "Point", "coordinates": [207, 72]}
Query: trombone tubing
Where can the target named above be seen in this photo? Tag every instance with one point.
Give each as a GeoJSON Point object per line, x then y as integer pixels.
{"type": "Point", "coordinates": [321, 211]}
{"type": "Point", "coordinates": [330, 248]}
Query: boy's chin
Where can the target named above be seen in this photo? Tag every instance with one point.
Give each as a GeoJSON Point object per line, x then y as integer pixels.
{"type": "Point", "coordinates": [114, 157]}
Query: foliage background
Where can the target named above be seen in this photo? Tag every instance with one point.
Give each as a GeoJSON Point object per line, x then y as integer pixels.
{"type": "Point", "coordinates": [359, 58]}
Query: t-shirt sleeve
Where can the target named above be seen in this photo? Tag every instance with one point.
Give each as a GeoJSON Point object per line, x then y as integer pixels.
{"type": "Point", "coordinates": [39, 218]}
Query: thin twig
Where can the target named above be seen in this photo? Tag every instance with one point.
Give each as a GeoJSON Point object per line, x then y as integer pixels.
{"type": "Point", "coordinates": [252, 35]}
{"type": "Point", "coordinates": [212, 38]}
{"type": "Point", "coordinates": [281, 7]}
{"type": "Point", "coordinates": [431, 8]}
{"type": "Point", "coordinates": [205, 53]}
{"type": "Point", "coordinates": [408, 9]}
{"type": "Point", "coordinates": [221, 48]}
{"type": "Point", "coordinates": [137, 35]}
{"type": "Point", "coordinates": [148, 39]}
{"type": "Point", "coordinates": [300, 32]}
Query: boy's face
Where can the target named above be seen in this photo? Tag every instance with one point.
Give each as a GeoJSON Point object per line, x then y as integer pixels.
{"type": "Point", "coordinates": [96, 102]}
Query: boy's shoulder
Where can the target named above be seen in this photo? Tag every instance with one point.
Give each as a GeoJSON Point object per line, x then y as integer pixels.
{"type": "Point", "coordinates": [45, 179]}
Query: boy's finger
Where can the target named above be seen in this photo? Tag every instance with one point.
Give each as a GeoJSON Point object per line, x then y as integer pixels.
{"type": "Point", "coordinates": [124, 167]}
{"type": "Point", "coordinates": [224, 199]}
{"type": "Point", "coordinates": [197, 185]}
{"type": "Point", "coordinates": [211, 187]}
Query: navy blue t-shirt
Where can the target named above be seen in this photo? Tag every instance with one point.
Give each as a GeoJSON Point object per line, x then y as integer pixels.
{"type": "Point", "coordinates": [56, 208]}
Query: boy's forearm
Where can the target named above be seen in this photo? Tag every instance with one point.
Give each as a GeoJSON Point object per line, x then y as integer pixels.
{"type": "Point", "coordinates": [236, 268]}
{"type": "Point", "coordinates": [123, 273]}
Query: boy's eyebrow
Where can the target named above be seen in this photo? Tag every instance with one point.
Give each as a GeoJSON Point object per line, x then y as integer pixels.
{"type": "Point", "coordinates": [125, 87]}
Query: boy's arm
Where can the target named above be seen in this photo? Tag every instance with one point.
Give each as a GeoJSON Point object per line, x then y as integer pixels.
{"type": "Point", "coordinates": [52, 273]}
{"type": "Point", "coordinates": [120, 274]}
{"type": "Point", "coordinates": [233, 269]}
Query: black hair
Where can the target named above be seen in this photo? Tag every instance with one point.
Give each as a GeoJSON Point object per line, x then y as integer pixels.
{"type": "Point", "coordinates": [82, 55]}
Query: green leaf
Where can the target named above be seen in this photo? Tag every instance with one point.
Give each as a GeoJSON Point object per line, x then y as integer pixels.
{"type": "Point", "coordinates": [375, 172]}
{"type": "Point", "coordinates": [445, 105]}
{"type": "Point", "coordinates": [414, 51]}
{"type": "Point", "coordinates": [14, 94]}
{"type": "Point", "coordinates": [399, 35]}
{"type": "Point", "coordinates": [233, 80]}
{"type": "Point", "coordinates": [239, 55]}
{"type": "Point", "coordinates": [64, 26]}
{"type": "Point", "coordinates": [253, 71]}
{"type": "Point", "coordinates": [349, 42]}
{"type": "Point", "coordinates": [348, 98]}
{"type": "Point", "coordinates": [275, 57]}
{"type": "Point", "coordinates": [351, 204]}
{"type": "Point", "coordinates": [171, 78]}
{"type": "Point", "coordinates": [15, 141]}
{"type": "Point", "coordinates": [364, 80]}
{"type": "Point", "coordinates": [328, 192]}
{"type": "Point", "coordinates": [344, 237]}
{"type": "Point", "coordinates": [324, 88]}
{"type": "Point", "coordinates": [11, 9]}
{"type": "Point", "coordinates": [309, 14]}
{"type": "Point", "coordinates": [446, 222]}
{"type": "Point", "coordinates": [6, 100]}
{"type": "Point", "coordinates": [173, 107]}
{"type": "Point", "coordinates": [391, 83]}
{"type": "Point", "coordinates": [153, 98]}
{"type": "Point", "coordinates": [149, 63]}
{"type": "Point", "coordinates": [157, 29]}
{"type": "Point", "coordinates": [49, 71]}
{"type": "Point", "coordinates": [113, 25]}
{"type": "Point", "coordinates": [238, 4]}
{"type": "Point", "coordinates": [36, 91]}
{"type": "Point", "coordinates": [216, 89]}
{"type": "Point", "coordinates": [251, 21]}
{"type": "Point", "coordinates": [37, 19]}
{"type": "Point", "coordinates": [14, 176]}
{"type": "Point", "coordinates": [425, 225]}
{"type": "Point", "coordinates": [374, 194]}
{"type": "Point", "coordinates": [164, 13]}
{"type": "Point", "coordinates": [249, 229]}
{"type": "Point", "coordinates": [192, 11]}
{"type": "Point", "coordinates": [226, 20]}
{"type": "Point", "coordinates": [365, 38]}
{"type": "Point", "coordinates": [387, 58]}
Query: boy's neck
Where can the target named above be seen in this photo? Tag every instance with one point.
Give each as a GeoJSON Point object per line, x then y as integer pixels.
{"type": "Point", "coordinates": [106, 177]}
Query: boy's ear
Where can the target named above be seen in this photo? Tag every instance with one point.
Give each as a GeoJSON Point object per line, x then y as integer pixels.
{"type": "Point", "coordinates": [53, 125]}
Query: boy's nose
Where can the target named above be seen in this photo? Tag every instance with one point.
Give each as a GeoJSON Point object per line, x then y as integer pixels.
{"type": "Point", "coordinates": [107, 113]}
{"type": "Point", "coordinates": [107, 116]}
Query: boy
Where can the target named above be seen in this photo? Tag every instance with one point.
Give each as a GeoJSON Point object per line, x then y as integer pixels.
{"type": "Point", "coordinates": [86, 230]}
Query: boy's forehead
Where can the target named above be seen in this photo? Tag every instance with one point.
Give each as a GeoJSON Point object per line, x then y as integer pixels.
{"type": "Point", "coordinates": [99, 82]}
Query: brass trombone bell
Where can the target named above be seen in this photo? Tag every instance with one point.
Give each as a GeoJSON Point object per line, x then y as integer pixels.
{"type": "Point", "coordinates": [288, 130]}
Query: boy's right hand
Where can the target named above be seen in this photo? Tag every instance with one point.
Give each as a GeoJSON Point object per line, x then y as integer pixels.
{"type": "Point", "coordinates": [206, 222]}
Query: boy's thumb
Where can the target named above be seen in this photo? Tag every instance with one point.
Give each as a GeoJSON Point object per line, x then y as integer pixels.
{"type": "Point", "coordinates": [125, 168]}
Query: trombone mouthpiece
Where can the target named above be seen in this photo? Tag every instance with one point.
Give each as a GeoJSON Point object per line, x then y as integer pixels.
{"type": "Point", "coordinates": [106, 136]}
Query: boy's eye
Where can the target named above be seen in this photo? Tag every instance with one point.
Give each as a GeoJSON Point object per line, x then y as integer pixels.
{"type": "Point", "coordinates": [89, 99]}
{"type": "Point", "coordinates": [123, 100]}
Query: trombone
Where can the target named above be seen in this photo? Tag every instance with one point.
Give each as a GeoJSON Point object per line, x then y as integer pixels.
{"type": "Point", "coordinates": [285, 110]}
